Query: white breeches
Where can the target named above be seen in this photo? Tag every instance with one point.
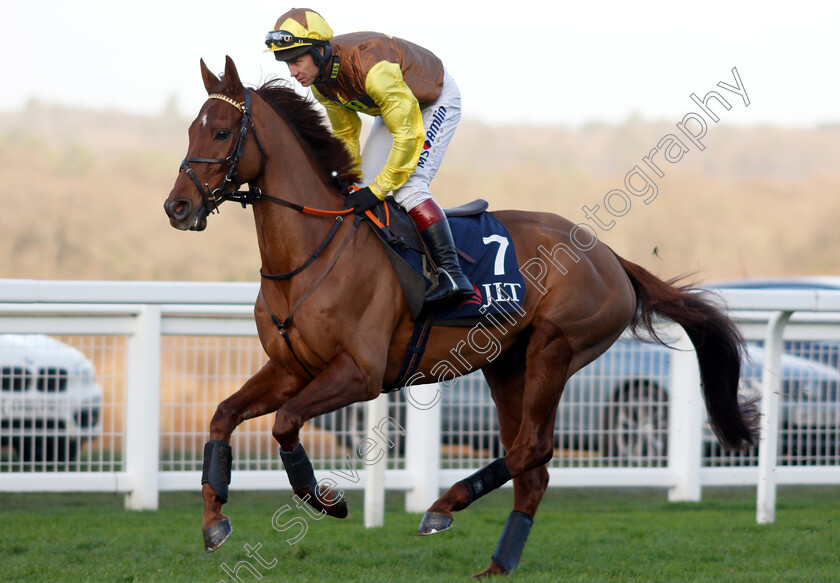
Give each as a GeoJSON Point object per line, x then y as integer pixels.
{"type": "Point", "coordinates": [439, 120]}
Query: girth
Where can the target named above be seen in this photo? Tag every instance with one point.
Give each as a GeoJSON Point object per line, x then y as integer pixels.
{"type": "Point", "coordinates": [284, 326]}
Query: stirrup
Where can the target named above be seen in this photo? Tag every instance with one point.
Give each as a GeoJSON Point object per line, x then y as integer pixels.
{"type": "Point", "coordinates": [448, 289]}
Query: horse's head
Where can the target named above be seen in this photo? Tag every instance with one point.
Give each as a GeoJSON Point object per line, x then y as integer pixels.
{"type": "Point", "coordinates": [219, 157]}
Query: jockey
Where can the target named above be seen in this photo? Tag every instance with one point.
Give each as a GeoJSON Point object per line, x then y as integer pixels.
{"type": "Point", "coordinates": [416, 105]}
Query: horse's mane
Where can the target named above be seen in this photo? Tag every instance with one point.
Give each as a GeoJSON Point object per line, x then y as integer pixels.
{"type": "Point", "coordinates": [308, 123]}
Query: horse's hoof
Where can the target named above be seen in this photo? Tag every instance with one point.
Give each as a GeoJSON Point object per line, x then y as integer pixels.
{"type": "Point", "coordinates": [493, 569]}
{"type": "Point", "coordinates": [217, 534]}
{"type": "Point", "coordinates": [338, 510]}
{"type": "Point", "coordinates": [433, 523]}
{"type": "Point", "coordinates": [328, 502]}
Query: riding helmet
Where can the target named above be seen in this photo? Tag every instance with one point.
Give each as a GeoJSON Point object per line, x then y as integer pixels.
{"type": "Point", "coordinates": [298, 31]}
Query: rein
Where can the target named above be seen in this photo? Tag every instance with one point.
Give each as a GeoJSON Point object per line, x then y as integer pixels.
{"type": "Point", "coordinates": [211, 199]}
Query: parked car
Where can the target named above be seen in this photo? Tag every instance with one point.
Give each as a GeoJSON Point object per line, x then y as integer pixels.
{"type": "Point", "coordinates": [50, 401]}
{"type": "Point", "coordinates": [618, 404]}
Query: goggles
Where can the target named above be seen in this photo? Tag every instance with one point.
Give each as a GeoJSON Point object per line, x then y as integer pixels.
{"type": "Point", "coordinates": [283, 39]}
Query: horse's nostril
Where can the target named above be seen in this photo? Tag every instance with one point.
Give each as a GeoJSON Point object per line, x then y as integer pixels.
{"type": "Point", "coordinates": [179, 209]}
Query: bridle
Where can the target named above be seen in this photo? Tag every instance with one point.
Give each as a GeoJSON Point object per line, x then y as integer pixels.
{"type": "Point", "coordinates": [211, 199]}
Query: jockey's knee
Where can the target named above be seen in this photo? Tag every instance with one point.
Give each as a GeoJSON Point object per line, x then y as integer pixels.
{"type": "Point", "coordinates": [408, 198]}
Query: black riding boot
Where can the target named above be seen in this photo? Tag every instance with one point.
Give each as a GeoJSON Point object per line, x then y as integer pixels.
{"type": "Point", "coordinates": [452, 285]}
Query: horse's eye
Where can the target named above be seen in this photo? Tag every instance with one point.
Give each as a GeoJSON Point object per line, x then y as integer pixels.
{"type": "Point", "coordinates": [222, 135]}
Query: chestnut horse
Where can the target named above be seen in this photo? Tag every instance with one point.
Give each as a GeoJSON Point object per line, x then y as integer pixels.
{"type": "Point", "coordinates": [352, 325]}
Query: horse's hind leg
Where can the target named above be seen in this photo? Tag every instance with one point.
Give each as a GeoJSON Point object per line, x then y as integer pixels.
{"type": "Point", "coordinates": [506, 379]}
{"type": "Point", "coordinates": [261, 394]}
{"type": "Point", "coordinates": [548, 357]}
{"type": "Point", "coordinates": [528, 490]}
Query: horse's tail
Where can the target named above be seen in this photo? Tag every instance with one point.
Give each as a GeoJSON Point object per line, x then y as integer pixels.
{"type": "Point", "coordinates": [717, 342]}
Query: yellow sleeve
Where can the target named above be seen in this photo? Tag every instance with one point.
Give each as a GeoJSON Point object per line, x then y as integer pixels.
{"type": "Point", "coordinates": [346, 126]}
{"type": "Point", "coordinates": [401, 113]}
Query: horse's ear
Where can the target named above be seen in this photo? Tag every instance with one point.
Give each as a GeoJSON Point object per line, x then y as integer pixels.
{"type": "Point", "coordinates": [211, 82]}
{"type": "Point", "coordinates": [232, 77]}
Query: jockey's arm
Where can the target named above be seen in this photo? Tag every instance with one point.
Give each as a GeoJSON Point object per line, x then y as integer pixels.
{"type": "Point", "coordinates": [401, 113]}
{"type": "Point", "coordinates": [346, 126]}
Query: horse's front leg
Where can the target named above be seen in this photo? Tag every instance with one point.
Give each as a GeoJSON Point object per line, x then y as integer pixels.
{"type": "Point", "coordinates": [261, 394]}
{"type": "Point", "coordinates": [340, 384]}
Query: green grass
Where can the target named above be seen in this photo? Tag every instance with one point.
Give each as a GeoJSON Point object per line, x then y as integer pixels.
{"type": "Point", "coordinates": [579, 535]}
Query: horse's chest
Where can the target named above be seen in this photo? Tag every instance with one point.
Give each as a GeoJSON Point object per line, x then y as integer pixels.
{"type": "Point", "coordinates": [286, 343]}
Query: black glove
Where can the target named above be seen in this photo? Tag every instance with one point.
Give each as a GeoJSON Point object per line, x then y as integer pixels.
{"type": "Point", "coordinates": [362, 200]}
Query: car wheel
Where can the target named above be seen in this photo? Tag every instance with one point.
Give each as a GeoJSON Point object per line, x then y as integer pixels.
{"type": "Point", "coordinates": [51, 449]}
{"type": "Point", "coordinates": [637, 422]}
{"type": "Point", "coordinates": [803, 445]}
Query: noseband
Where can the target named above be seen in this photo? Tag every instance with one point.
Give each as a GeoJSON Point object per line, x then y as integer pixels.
{"type": "Point", "coordinates": [211, 199]}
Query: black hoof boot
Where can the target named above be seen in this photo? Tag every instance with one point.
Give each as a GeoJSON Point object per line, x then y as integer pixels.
{"type": "Point", "coordinates": [433, 523]}
{"type": "Point", "coordinates": [217, 534]}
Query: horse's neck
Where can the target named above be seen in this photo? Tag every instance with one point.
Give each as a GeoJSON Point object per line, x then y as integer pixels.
{"type": "Point", "coordinates": [288, 238]}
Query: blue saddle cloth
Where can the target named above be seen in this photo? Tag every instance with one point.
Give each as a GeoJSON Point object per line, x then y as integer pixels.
{"type": "Point", "coordinates": [486, 254]}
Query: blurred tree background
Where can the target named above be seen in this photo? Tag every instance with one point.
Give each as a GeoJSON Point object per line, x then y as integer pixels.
{"type": "Point", "coordinates": [84, 190]}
